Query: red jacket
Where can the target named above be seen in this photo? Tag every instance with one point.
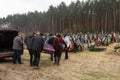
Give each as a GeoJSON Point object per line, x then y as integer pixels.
{"type": "Point", "coordinates": [113, 37]}
{"type": "Point", "coordinates": [56, 42]}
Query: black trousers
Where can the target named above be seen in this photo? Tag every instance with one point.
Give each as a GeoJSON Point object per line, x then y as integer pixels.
{"type": "Point", "coordinates": [37, 56]}
{"type": "Point", "coordinates": [31, 56]}
{"type": "Point", "coordinates": [57, 56]}
{"type": "Point", "coordinates": [66, 53]}
{"type": "Point", "coordinates": [51, 56]}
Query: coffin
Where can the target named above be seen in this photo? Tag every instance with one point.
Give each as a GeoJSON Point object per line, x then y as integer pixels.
{"type": "Point", "coordinates": [48, 49]}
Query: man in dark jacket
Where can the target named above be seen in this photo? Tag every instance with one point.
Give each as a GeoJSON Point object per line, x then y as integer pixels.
{"type": "Point", "coordinates": [17, 48]}
{"type": "Point", "coordinates": [37, 48]}
{"type": "Point", "coordinates": [29, 44]}
{"type": "Point", "coordinates": [58, 50]}
{"type": "Point", "coordinates": [50, 41]}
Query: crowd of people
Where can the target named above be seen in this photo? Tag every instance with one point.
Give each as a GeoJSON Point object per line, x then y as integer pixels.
{"type": "Point", "coordinates": [60, 42]}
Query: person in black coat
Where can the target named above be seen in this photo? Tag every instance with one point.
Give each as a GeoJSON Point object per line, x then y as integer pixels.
{"type": "Point", "coordinates": [29, 44]}
{"type": "Point", "coordinates": [37, 48]}
{"type": "Point", "coordinates": [50, 41]}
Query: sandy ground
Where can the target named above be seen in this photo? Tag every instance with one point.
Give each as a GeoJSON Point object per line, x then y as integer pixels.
{"type": "Point", "coordinates": [84, 65]}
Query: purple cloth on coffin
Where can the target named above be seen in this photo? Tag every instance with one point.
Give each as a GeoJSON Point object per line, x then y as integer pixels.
{"type": "Point", "coordinates": [48, 48]}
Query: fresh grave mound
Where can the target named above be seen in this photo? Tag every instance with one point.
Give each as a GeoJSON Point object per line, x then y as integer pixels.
{"type": "Point", "coordinates": [92, 48]}
{"type": "Point", "coordinates": [113, 53]}
{"type": "Point", "coordinates": [117, 46]}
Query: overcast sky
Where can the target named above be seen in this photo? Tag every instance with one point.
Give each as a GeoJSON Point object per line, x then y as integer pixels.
{"type": "Point", "coordinates": [23, 6]}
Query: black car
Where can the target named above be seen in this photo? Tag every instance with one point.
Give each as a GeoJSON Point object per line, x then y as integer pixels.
{"type": "Point", "coordinates": [6, 42]}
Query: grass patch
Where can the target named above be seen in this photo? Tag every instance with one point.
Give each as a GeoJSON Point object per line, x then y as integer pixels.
{"type": "Point", "coordinates": [85, 65]}
{"type": "Point", "coordinates": [96, 74]}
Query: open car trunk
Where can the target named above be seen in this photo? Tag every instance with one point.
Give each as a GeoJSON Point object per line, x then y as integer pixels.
{"type": "Point", "coordinates": [6, 42]}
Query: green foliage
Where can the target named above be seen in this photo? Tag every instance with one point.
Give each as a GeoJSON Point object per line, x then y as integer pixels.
{"type": "Point", "coordinates": [91, 15]}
